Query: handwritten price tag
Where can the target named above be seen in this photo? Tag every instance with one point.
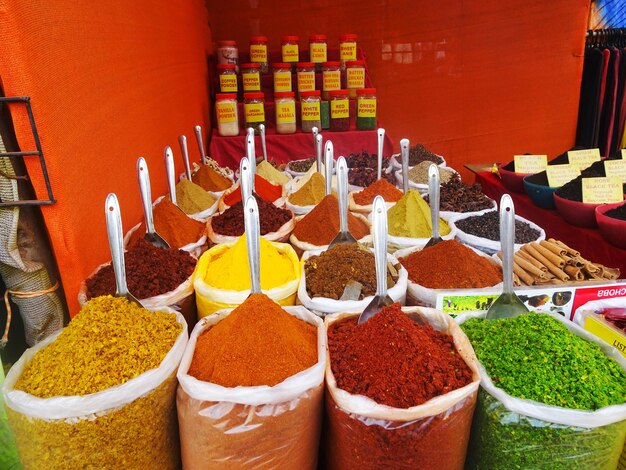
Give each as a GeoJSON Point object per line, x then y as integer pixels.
{"type": "Point", "coordinates": [583, 158]}
{"type": "Point", "coordinates": [616, 168]}
{"type": "Point", "coordinates": [558, 175]}
{"type": "Point", "coordinates": [530, 164]}
{"type": "Point", "coordinates": [602, 190]}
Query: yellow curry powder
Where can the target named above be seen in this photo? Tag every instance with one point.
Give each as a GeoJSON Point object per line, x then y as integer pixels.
{"type": "Point", "coordinates": [410, 217]}
{"type": "Point", "coordinates": [311, 193]}
{"type": "Point", "coordinates": [192, 198]}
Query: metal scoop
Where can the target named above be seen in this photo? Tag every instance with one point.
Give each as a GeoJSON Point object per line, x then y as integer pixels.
{"type": "Point", "coordinates": [508, 304]}
{"type": "Point", "coordinates": [381, 139]}
{"type": "Point", "coordinates": [263, 147]}
{"type": "Point", "coordinates": [404, 152]}
{"type": "Point", "coordinates": [433, 198]}
{"type": "Point", "coordinates": [328, 166]}
{"type": "Point", "coordinates": [381, 299]}
{"type": "Point", "coordinates": [182, 141]}
{"type": "Point", "coordinates": [116, 245]}
{"type": "Point", "coordinates": [245, 179]}
{"type": "Point", "coordinates": [146, 200]}
{"type": "Point", "coordinates": [171, 177]}
{"type": "Point", "coordinates": [344, 236]}
{"type": "Point", "coordinates": [200, 142]}
{"type": "Point", "coordinates": [318, 151]}
{"type": "Point", "coordinates": [250, 149]}
{"type": "Point", "coordinates": [253, 243]}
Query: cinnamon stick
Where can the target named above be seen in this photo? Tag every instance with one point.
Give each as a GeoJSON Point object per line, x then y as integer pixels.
{"type": "Point", "coordinates": [554, 259]}
{"type": "Point", "coordinates": [553, 247]}
{"type": "Point", "coordinates": [532, 260]}
{"type": "Point", "coordinates": [551, 267]}
{"type": "Point", "coordinates": [571, 251]}
{"type": "Point", "coordinates": [529, 267]}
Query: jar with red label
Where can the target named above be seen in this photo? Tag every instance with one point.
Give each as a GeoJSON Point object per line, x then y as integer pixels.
{"type": "Point", "coordinates": [251, 77]}
{"type": "Point", "coordinates": [258, 52]}
{"type": "Point", "coordinates": [228, 78]}
{"type": "Point", "coordinates": [339, 110]}
{"type": "Point", "coordinates": [366, 109]}
{"type": "Point", "coordinates": [282, 77]}
{"type": "Point", "coordinates": [355, 76]}
{"type": "Point", "coordinates": [290, 51]}
{"type": "Point", "coordinates": [347, 48]}
{"type": "Point", "coordinates": [305, 77]}
{"type": "Point", "coordinates": [254, 110]}
{"type": "Point", "coordinates": [227, 114]}
{"type": "Point", "coordinates": [227, 53]}
{"type": "Point", "coordinates": [318, 50]}
{"type": "Point", "coordinates": [310, 110]}
{"type": "Point", "coordinates": [331, 78]}
{"type": "Point", "coordinates": [285, 112]}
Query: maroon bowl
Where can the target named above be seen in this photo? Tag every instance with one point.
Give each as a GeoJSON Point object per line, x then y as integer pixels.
{"type": "Point", "coordinates": [511, 180]}
{"type": "Point", "coordinates": [612, 230]}
{"type": "Point", "coordinates": [576, 213]}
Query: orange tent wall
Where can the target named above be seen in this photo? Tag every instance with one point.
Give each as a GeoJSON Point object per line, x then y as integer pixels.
{"type": "Point", "coordinates": [109, 81]}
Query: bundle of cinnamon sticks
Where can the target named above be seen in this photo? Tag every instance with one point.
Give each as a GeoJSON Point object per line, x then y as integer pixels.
{"type": "Point", "coordinates": [553, 262]}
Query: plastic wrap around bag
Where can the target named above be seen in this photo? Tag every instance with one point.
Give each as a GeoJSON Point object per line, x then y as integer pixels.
{"type": "Point", "coordinates": [132, 425]}
{"type": "Point", "coordinates": [280, 235]}
{"type": "Point", "coordinates": [211, 299]}
{"type": "Point", "coordinates": [362, 434]}
{"type": "Point", "coordinates": [510, 432]}
{"type": "Point", "coordinates": [489, 246]}
{"type": "Point", "coordinates": [325, 305]}
{"type": "Point", "coordinates": [195, 249]}
{"type": "Point", "coordinates": [365, 210]}
{"type": "Point", "coordinates": [396, 162]}
{"type": "Point", "coordinates": [419, 295]}
{"type": "Point", "coordinates": [421, 188]}
{"type": "Point", "coordinates": [252, 427]}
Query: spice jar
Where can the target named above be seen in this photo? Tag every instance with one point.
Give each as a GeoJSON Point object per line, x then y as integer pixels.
{"type": "Point", "coordinates": [251, 77]}
{"type": "Point", "coordinates": [228, 78]}
{"type": "Point", "coordinates": [290, 51]}
{"type": "Point", "coordinates": [366, 109]}
{"type": "Point", "coordinates": [282, 77]}
{"type": "Point", "coordinates": [347, 48]}
{"type": "Point", "coordinates": [227, 53]}
{"type": "Point", "coordinates": [306, 77]}
{"type": "Point", "coordinates": [318, 50]}
{"type": "Point", "coordinates": [285, 112]}
{"type": "Point", "coordinates": [355, 76]}
{"type": "Point", "coordinates": [331, 78]}
{"type": "Point", "coordinates": [258, 52]}
{"type": "Point", "coordinates": [254, 110]}
{"type": "Point", "coordinates": [310, 110]}
{"type": "Point", "coordinates": [227, 114]}
{"type": "Point", "coordinates": [339, 110]}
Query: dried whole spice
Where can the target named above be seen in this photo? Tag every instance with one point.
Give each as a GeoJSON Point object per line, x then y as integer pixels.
{"type": "Point", "coordinates": [231, 221]}
{"type": "Point", "coordinates": [456, 196]}
{"type": "Point", "coordinates": [328, 274]}
{"type": "Point", "coordinates": [366, 160]}
{"type": "Point", "coordinates": [150, 271]}
{"type": "Point", "coordinates": [301, 166]}
{"type": "Point", "coordinates": [419, 154]}
{"type": "Point", "coordinates": [383, 188]}
{"type": "Point", "coordinates": [363, 177]}
{"type": "Point", "coordinates": [487, 226]}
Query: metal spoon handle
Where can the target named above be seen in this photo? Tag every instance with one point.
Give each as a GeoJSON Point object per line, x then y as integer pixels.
{"type": "Point", "coordinates": [182, 141]}
{"type": "Point", "coordinates": [328, 162]}
{"type": "Point", "coordinates": [342, 193]}
{"type": "Point", "coordinates": [507, 240]}
{"type": "Point", "coordinates": [198, 131]}
{"type": "Point", "coordinates": [146, 194]}
{"type": "Point", "coordinates": [250, 149]}
{"type": "Point", "coordinates": [404, 152]}
{"type": "Point", "coordinates": [433, 198]}
{"type": "Point", "coordinates": [253, 242]}
{"type": "Point", "coordinates": [263, 147]}
{"type": "Point", "coordinates": [116, 242]}
{"type": "Point", "coordinates": [245, 178]}
{"type": "Point", "coordinates": [315, 132]}
{"type": "Point", "coordinates": [381, 138]}
{"type": "Point", "coordinates": [379, 222]}
{"type": "Point", "coordinates": [319, 150]}
{"type": "Point", "coordinates": [169, 172]}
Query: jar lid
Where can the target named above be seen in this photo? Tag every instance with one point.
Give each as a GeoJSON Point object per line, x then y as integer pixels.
{"type": "Point", "coordinates": [226, 96]}
{"type": "Point", "coordinates": [226, 66]}
{"type": "Point", "coordinates": [331, 64]}
{"type": "Point", "coordinates": [253, 95]}
{"type": "Point", "coordinates": [355, 63]}
{"type": "Point", "coordinates": [305, 64]}
{"type": "Point", "coordinates": [227, 43]}
{"type": "Point", "coordinates": [338, 92]}
{"type": "Point", "coordinates": [281, 65]}
{"type": "Point", "coordinates": [317, 37]}
{"type": "Point", "coordinates": [366, 91]}
{"type": "Point", "coordinates": [289, 38]}
{"type": "Point", "coordinates": [251, 66]}
{"type": "Point", "coordinates": [348, 37]}
{"type": "Point", "coordinates": [310, 93]}
{"type": "Point", "coordinates": [284, 94]}
{"type": "Point", "coordinates": [258, 39]}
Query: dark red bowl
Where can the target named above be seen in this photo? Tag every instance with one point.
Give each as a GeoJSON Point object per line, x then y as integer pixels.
{"type": "Point", "coordinates": [576, 213]}
{"type": "Point", "coordinates": [612, 230]}
{"type": "Point", "coordinates": [511, 180]}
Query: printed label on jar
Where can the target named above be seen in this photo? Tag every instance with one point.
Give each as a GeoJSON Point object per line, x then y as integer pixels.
{"type": "Point", "coordinates": [331, 80]}
{"type": "Point", "coordinates": [285, 113]}
{"type": "Point", "coordinates": [228, 83]}
{"type": "Point", "coordinates": [258, 53]}
{"type": "Point", "coordinates": [347, 51]}
{"type": "Point", "coordinates": [255, 112]}
{"type": "Point", "coordinates": [290, 53]}
{"type": "Point", "coordinates": [226, 112]}
{"type": "Point", "coordinates": [251, 81]}
{"type": "Point", "coordinates": [282, 81]}
{"type": "Point", "coordinates": [318, 52]}
{"type": "Point", "coordinates": [339, 109]}
{"type": "Point", "coordinates": [366, 107]}
{"type": "Point", "coordinates": [355, 78]}
{"type": "Point", "coordinates": [311, 111]}
{"type": "Point", "coordinates": [306, 81]}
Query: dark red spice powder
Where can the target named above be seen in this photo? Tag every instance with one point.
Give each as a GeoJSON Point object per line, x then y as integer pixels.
{"type": "Point", "coordinates": [231, 221]}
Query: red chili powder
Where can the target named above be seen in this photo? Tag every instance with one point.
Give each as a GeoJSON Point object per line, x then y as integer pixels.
{"type": "Point", "coordinates": [395, 361]}
{"type": "Point", "coordinates": [268, 191]}
{"type": "Point", "coordinates": [383, 188]}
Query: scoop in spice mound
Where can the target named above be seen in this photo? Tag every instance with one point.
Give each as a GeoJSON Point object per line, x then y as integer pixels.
{"type": "Point", "coordinates": [231, 221]}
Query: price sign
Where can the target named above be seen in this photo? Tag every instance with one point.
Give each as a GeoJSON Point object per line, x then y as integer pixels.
{"type": "Point", "coordinates": [558, 175]}
{"type": "Point", "coordinates": [530, 164]}
{"type": "Point", "coordinates": [583, 158]}
{"type": "Point", "coordinates": [602, 190]}
{"type": "Point", "coordinates": [615, 168]}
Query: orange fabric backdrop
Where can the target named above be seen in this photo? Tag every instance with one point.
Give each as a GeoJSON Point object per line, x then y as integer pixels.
{"type": "Point", "coordinates": [477, 81]}
{"type": "Point", "coordinates": [110, 81]}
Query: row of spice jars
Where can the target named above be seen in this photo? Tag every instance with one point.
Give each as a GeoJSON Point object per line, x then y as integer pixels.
{"type": "Point", "coordinates": [332, 78]}
{"type": "Point", "coordinates": [228, 53]}
{"type": "Point", "coordinates": [333, 114]}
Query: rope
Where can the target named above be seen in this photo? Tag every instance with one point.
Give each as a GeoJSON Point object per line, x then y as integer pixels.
{"type": "Point", "coordinates": [20, 295]}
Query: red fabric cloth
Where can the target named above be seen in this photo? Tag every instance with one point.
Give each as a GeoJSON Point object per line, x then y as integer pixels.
{"type": "Point", "coordinates": [588, 241]}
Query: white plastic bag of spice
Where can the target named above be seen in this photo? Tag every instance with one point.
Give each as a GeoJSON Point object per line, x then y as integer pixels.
{"type": "Point", "coordinates": [325, 305]}
{"type": "Point", "coordinates": [417, 294]}
{"type": "Point", "coordinates": [511, 432]}
{"type": "Point", "coordinates": [280, 235]}
{"type": "Point", "coordinates": [252, 427]}
{"type": "Point", "coordinates": [132, 425]}
{"type": "Point", "coordinates": [362, 434]}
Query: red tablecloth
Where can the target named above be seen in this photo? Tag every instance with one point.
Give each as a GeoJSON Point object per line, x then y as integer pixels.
{"type": "Point", "coordinates": [588, 241]}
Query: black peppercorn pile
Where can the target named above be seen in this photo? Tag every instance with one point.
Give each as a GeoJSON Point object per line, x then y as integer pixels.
{"type": "Point", "coordinates": [487, 226]}
{"type": "Point", "coordinates": [457, 196]}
